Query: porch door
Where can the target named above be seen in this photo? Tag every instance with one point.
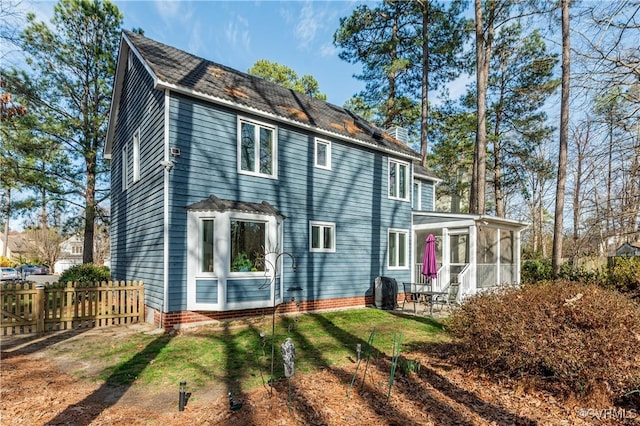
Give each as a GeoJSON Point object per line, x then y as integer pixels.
{"type": "Point", "coordinates": [458, 251]}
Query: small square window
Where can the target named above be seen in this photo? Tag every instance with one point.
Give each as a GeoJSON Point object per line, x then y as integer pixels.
{"type": "Point", "coordinates": [322, 237]}
{"type": "Point", "coordinates": [322, 154]}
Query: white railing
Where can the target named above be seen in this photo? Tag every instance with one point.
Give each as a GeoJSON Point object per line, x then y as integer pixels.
{"type": "Point", "coordinates": [442, 281]}
{"type": "Point", "coordinates": [464, 284]}
{"type": "Point", "coordinates": [437, 284]}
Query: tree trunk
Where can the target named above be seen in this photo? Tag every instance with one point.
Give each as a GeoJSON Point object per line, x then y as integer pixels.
{"type": "Point", "coordinates": [424, 118]}
{"type": "Point", "coordinates": [5, 246]}
{"type": "Point", "coordinates": [483, 55]}
{"type": "Point", "coordinates": [556, 255]}
{"type": "Point", "coordinates": [89, 216]}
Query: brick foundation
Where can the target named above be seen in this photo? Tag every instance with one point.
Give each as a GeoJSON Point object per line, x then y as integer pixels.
{"type": "Point", "coordinates": [175, 320]}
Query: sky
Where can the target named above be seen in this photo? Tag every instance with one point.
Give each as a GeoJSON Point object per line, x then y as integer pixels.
{"type": "Point", "coordinates": [298, 34]}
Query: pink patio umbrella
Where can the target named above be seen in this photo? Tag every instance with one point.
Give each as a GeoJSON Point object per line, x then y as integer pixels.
{"type": "Point", "coordinates": [429, 265]}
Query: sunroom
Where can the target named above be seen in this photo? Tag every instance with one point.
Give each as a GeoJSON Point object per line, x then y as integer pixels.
{"type": "Point", "coordinates": [473, 252]}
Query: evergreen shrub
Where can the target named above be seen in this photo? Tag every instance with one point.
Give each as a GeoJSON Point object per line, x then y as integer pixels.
{"type": "Point", "coordinates": [85, 273]}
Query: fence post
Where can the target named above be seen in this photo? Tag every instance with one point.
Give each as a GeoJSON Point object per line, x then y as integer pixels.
{"type": "Point", "coordinates": [39, 308]}
{"type": "Point", "coordinates": [141, 305]}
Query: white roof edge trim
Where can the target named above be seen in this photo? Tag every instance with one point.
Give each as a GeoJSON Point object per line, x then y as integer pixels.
{"type": "Point", "coordinates": [426, 177]}
{"type": "Point", "coordinates": [474, 217]}
{"type": "Point", "coordinates": [126, 45]}
{"type": "Point", "coordinates": [178, 89]}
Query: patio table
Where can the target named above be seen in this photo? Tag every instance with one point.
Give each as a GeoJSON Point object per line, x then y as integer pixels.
{"type": "Point", "coordinates": [431, 297]}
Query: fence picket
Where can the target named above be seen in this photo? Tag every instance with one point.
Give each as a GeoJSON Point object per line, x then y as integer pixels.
{"type": "Point", "coordinates": [63, 306]}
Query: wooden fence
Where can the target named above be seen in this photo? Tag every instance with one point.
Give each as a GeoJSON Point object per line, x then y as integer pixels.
{"type": "Point", "coordinates": [38, 308]}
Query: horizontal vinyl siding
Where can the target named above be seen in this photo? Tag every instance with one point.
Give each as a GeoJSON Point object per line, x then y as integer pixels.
{"type": "Point", "coordinates": [353, 195]}
{"type": "Point", "coordinates": [137, 214]}
{"type": "Point", "coordinates": [428, 202]}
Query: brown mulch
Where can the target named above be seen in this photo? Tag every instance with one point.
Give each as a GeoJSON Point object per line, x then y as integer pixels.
{"type": "Point", "coordinates": [39, 389]}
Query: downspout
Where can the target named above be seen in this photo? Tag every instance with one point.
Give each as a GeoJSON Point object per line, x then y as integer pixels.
{"type": "Point", "coordinates": [165, 231]}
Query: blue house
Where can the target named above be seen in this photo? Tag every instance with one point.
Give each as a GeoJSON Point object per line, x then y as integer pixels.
{"type": "Point", "coordinates": [231, 195]}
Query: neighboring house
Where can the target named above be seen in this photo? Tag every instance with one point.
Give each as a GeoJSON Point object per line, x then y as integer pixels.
{"type": "Point", "coordinates": [220, 179]}
{"type": "Point", "coordinates": [17, 247]}
{"type": "Point", "coordinates": [70, 254]}
{"type": "Point", "coordinates": [629, 249]}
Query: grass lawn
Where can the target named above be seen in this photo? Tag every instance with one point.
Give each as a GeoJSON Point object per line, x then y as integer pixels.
{"type": "Point", "coordinates": [238, 353]}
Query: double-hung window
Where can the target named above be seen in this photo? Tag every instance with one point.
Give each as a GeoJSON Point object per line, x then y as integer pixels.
{"type": "Point", "coordinates": [398, 249]}
{"type": "Point", "coordinates": [398, 180]}
{"type": "Point", "coordinates": [322, 156]}
{"type": "Point", "coordinates": [257, 148]}
{"type": "Point", "coordinates": [322, 237]}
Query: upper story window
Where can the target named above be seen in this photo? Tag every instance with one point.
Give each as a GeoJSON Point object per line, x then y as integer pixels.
{"type": "Point", "coordinates": [257, 148]}
{"type": "Point", "coordinates": [417, 195]}
{"type": "Point", "coordinates": [398, 249]}
{"type": "Point", "coordinates": [322, 237]}
{"type": "Point", "coordinates": [398, 180]}
{"type": "Point", "coordinates": [136, 156]}
{"type": "Point", "coordinates": [322, 156]}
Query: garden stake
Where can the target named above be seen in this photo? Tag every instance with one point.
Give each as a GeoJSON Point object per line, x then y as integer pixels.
{"type": "Point", "coordinates": [369, 351]}
{"type": "Point", "coordinates": [358, 349]}
{"type": "Point", "coordinates": [395, 353]}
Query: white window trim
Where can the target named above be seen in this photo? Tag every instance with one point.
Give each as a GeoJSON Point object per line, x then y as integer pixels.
{"type": "Point", "coordinates": [136, 156]}
{"type": "Point", "coordinates": [247, 217]}
{"type": "Point", "coordinates": [274, 168]}
{"type": "Point", "coordinates": [125, 168]}
{"type": "Point", "coordinates": [322, 225]}
{"type": "Point", "coordinates": [417, 200]}
{"type": "Point", "coordinates": [397, 231]}
{"type": "Point", "coordinates": [315, 154]}
{"type": "Point", "coordinates": [398, 164]}
{"type": "Point", "coordinates": [200, 273]}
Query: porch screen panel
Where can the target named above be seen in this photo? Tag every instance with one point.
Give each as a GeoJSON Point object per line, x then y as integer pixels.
{"type": "Point", "coordinates": [487, 257]}
{"type": "Point", "coordinates": [507, 266]}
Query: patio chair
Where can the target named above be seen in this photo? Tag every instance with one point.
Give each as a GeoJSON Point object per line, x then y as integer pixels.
{"type": "Point", "coordinates": [450, 298]}
{"type": "Point", "coordinates": [409, 296]}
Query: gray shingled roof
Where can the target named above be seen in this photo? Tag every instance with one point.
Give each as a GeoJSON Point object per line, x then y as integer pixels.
{"type": "Point", "coordinates": [213, 203]}
{"type": "Point", "coordinates": [183, 70]}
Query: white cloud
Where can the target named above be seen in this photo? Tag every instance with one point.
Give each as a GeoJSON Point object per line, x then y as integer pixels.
{"type": "Point", "coordinates": [172, 11]}
{"type": "Point", "coordinates": [195, 44]}
{"type": "Point", "coordinates": [308, 24]}
{"type": "Point", "coordinates": [167, 10]}
{"type": "Point", "coordinates": [237, 32]}
{"type": "Point", "coordinates": [328, 49]}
